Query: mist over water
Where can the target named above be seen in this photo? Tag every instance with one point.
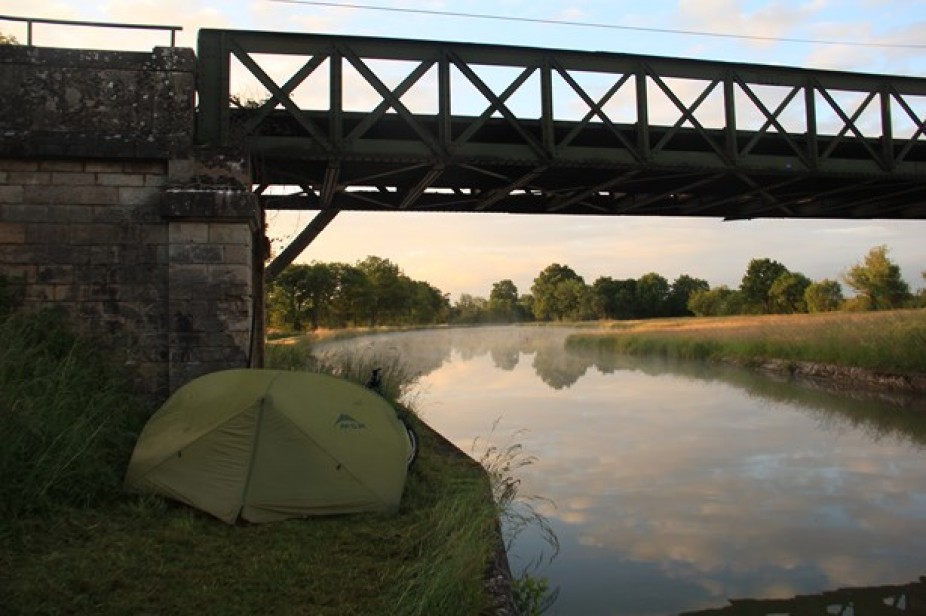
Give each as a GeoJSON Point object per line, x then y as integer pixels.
{"type": "Point", "coordinates": [678, 486]}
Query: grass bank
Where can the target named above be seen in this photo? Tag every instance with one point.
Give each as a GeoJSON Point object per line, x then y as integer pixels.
{"type": "Point", "coordinates": [72, 542]}
{"type": "Point", "coordinates": [891, 342]}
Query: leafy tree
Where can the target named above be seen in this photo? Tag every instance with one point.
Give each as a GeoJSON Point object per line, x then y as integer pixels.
{"type": "Point", "coordinates": [625, 299]}
{"type": "Point", "coordinates": [715, 302]}
{"type": "Point", "coordinates": [431, 304]}
{"type": "Point", "coordinates": [386, 282]}
{"type": "Point", "coordinates": [549, 301]}
{"type": "Point", "coordinates": [602, 291]}
{"type": "Point", "coordinates": [878, 281]}
{"type": "Point", "coordinates": [7, 39]}
{"type": "Point", "coordinates": [323, 282]}
{"type": "Point", "coordinates": [290, 296]}
{"type": "Point", "coordinates": [470, 309]}
{"type": "Point", "coordinates": [374, 291]}
{"type": "Point", "coordinates": [786, 294]}
{"type": "Point", "coordinates": [503, 301]}
{"type": "Point", "coordinates": [652, 293]}
{"type": "Point", "coordinates": [757, 282]}
{"type": "Point", "coordinates": [353, 295]}
{"type": "Point", "coordinates": [680, 292]}
{"type": "Point", "coordinates": [614, 299]}
{"type": "Point", "coordinates": [703, 303]}
{"type": "Point", "coordinates": [303, 293]}
{"type": "Point", "coordinates": [823, 296]}
{"type": "Point", "coordinates": [574, 300]}
{"type": "Point", "coordinates": [526, 306]}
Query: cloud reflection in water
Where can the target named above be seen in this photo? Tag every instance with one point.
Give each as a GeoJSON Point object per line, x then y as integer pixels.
{"type": "Point", "coordinates": [679, 486]}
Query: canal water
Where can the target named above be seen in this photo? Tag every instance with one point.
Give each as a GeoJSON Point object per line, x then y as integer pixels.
{"type": "Point", "coordinates": [673, 487]}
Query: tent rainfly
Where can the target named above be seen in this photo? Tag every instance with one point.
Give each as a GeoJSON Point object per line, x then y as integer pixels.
{"type": "Point", "coordinates": [267, 445]}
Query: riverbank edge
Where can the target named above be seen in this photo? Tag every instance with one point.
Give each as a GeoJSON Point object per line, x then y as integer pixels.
{"type": "Point", "coordinates": [837, 377]}
{"type": "Point", "coordinates": [499, 582]}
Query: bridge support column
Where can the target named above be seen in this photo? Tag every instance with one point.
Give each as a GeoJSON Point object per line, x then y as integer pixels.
{"type": "Point", "coordinates": [215, 256]}
{"type": "Point", "coordinates": [112, 216]}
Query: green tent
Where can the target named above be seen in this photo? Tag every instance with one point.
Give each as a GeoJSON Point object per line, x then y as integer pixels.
{"type": "Point", "coordinates": [266, 445]}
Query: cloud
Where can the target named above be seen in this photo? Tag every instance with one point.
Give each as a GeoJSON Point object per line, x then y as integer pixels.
{"type": "Point", "coordinates": [770, 20]}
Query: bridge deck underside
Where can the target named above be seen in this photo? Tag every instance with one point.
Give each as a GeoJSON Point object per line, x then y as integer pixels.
{"type": "Point", "coordinates": [392, 169]}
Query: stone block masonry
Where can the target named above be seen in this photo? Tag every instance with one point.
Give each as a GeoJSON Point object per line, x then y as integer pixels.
{"type": "Point", "coordinates": [94, 248]}
{"type": "Point", "coordinates": [65, 103]}
{"type": "Point", "coordinates": [109, 214]}
{"type": "Point", "coordinates": [213, 280]}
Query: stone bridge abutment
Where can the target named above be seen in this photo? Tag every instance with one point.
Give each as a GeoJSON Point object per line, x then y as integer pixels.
{"type": "Point", "coordinates": [111, 214]}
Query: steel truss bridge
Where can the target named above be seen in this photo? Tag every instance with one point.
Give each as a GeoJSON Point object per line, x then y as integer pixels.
{"type": "Point", "coordinates": [456, 127]}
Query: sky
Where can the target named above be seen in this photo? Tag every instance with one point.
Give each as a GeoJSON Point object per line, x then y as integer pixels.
{"type": "Point", "coordinates": [467, 253]}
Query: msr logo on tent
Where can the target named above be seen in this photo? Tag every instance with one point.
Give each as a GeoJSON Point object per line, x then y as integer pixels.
{"type": "Point", "coordinates": [346, 422]}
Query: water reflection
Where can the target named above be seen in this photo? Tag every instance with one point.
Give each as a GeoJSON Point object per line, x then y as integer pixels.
{"type": "Point", "coordinates": [904, 598]}
{"type": "Point", "coordinates": [880, 414]}
{"type": "Point", "coordinates": [680, 485]}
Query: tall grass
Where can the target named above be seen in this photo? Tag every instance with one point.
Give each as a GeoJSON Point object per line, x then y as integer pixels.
{"type": "Point", "coordinates": [450, 519]}
{"type": "Point", "coordinates": [517, 513]}
{"type": "Point", "coordinates": [396, 379]}
{"type": "Point", "coordinates": [295, 355]}
{"type": "Point", "coordinates": [146, 555]}
{"type": "Point", "coordinates": [68, 420]}
{"type": "Point", "coordinates": [464, 520]}
{"type": "Point", "coordinates": [451, 531]}
{"type": "Point", "coordinates": [890, 342]}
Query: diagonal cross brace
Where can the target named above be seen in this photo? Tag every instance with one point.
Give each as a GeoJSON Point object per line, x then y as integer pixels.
{"type": "Point", "coordinates": [423, 184]}
{"type": "Point", "coordinates": [688, 114]}
{"type": "Point", "coordinates": [597, 109]}
{"type": "Point", "coordinates": [772, 120]}
{"type": "Point", "coordinates": [391, 98]}
{"type": "Point", "coordinates": [498, 194]}
{"type": "Point", "coordinates": [498, 104]}
{"type": "Point", "coordinates": [660, 196]}
{"type": "Point", "coordinates": [849, 124]}
{"type": "Point", "coordinates": [298, 77]}
{"type": "Point", "coordinates": [300, 243]}
{"type": "Point", "coordinates": [919, 122]}
{"type": "Point", "coordinates": [283, 98]}
{"type": "Point", "coordinates": [585, 194]}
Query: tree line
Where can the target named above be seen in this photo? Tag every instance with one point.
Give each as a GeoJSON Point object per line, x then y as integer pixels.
{"type": "Point", "coordinates": [768, 287]}
{"type": "Point", "coordinates": [369, 293]}
{"type": "Point", "coordinates": [375, 292]}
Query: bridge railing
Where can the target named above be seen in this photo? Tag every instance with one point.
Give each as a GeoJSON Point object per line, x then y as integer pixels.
{"type": "Point", "coordinates": [31, 21]}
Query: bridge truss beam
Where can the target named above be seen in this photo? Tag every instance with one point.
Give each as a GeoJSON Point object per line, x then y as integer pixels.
{"type": "Point", "coordinates": [484, 128]}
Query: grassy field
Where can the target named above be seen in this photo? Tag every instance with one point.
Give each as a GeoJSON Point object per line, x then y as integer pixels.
{"type": "Point", "coordinates": [144, 555]}
{"type": "Point", "coordinates": [892, 342]}
{"type": "Point", "coordinates": [71, 542]}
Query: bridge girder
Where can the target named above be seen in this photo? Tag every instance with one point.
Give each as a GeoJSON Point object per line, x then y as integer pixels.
{"type": "Point", "coordinates": [745, 141]}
